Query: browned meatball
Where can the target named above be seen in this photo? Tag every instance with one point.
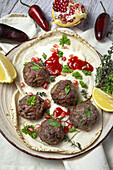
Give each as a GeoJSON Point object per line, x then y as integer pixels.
{"type": "Point", "coordinates": [64, 93]}
{"type": "Point", "coordinates": [84, 115]}
{"type": "Point", "coordinates": [51, 134]}
{"type": "Point", "coordinates": [37, 76]}
{"type": "Point", "coordinates": [31, 107]}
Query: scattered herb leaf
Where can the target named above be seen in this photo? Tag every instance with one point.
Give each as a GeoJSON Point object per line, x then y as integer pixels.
{"type": "Point", "coordinates": [41, 94]}
{"type": "Point", "coordinates": [66, 69]}
{"type": "Point", "coordinates": [64, 40]}
{"type": "Point", "coordinates": [73, 129]}
{"type": "Point", "coordinates": [79, 145]}
{"type": "Point", "coordinates": [67, 89]}
{"type": "Point", "coordinates": [88, 114]}
{"type": "Point", "coordinates": [79, 101]}
{"type": "Point", "coordinates": [83, 84]}
{"type": "Point", "coordinates": [52, 78]}
{"type": "Point", "coordinates": [26, 131]}
{"type": "Point", "coordinates": [87, 73]}
{"type": "Point", "coordinates": [60, 54]}
{"type": "Point", "coordinates": [77, 75]}
{"type": "Point", "coordinates": [84, 93]}
{"type": "Point", "coordinates": [26, 63]}
{"type": "Point", "coordinates": [31, 101]}
{"type": "Point", "coordinates": [7, 114]}
{"type": "Point", "coordinates": [53, 123]}
{"type": "Point", "coordinates": [48, 112]}
{"type": "Point", "coordinates": [43, 63]}
{"type": "Point", "coordinates": [35, 67]}
{"type": "Point", "coordinates": [44, 56]}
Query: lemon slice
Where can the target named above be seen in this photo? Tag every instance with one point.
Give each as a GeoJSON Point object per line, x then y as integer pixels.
{"type": "Point", "coordinates": [7, 70]}
{"type": "Point", "coordinates": [102, 99]}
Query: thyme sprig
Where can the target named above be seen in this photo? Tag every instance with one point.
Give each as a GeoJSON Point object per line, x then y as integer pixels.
{"type": "Point", "coordinates": [104, 74]}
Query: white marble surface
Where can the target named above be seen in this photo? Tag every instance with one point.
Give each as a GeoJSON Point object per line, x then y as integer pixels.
{"type": "Point", "coordinates": [16, 163]}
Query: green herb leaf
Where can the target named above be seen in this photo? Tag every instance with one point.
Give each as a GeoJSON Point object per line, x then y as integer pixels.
{"type": "Point", "coordinates": [77, 75]}
{"type": "Point", "coordinates": [64, 40]}
{"type": "Point", "coordinates": [72, 129]}
{"type": "Point", "coordinates": [60, 54]}
{"type": "Point", "coordinates": [42, 62]}
{"type": "Point", "coordinates": [88, 114]}
{"type": "Point", "coordinates": [67, 89]}
{"type": "Point", "coordinates": [41, 94]}
{"type": "Point", "coordinates": [31, 133]}
{"type": "Point", "coordinates": [35, 67]}
{"type": "Point", "coordinates": [66, 69]}
{"type": "Point", "coordinates": [26, 63]}
{"type": "Point", "coordinates": [79, 101]}
{"type": "Point", "coordinates": [53, 123]}
{"type": "Point", "coordinates": [87, 73]}
{"type": "Point", "coordinates": [84, 93]}
{"type": "Point", "coordinates": [44, 56]}
{"type": "Point", "coordinates": [80, 117]}
{"type": "Point", "coordinates": [7, 114]}
{"type": "Point", "coordinates": [83, 84]}
{"type": "Point", "coordinates": [48, 112]}
{"type": "Point", "coordinates": [79, 145]}
{"type": "Point", "coordinates": [31, 101]}
{"type": "Point", "coordinates": [52, 78]}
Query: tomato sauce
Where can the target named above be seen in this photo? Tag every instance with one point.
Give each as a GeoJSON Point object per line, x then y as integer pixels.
{"type": "Point", "coordinates": [59, 112]}
{"type": "Point", "coordinates": [53, 65]}
{"type": "Point", "coordinates": [75, 63]}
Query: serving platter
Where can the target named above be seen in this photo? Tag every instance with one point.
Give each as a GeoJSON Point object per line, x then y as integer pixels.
{"type": "Point", "coordinates": [8, 131]}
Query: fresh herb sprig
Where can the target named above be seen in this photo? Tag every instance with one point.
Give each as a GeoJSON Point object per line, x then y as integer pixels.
{"type": "Point", "coordinates": [64, 40]}
{"type": "Point", "coordinates": [35, 67]}
{"type": "Point", "coordinates": [77, 75]}
{"type": "Point", "coordinates": [52, 123]}
{"type": "Point", "coordinates": [84, 85]}
{"type": "Point", "coordinates": [87, 73]}
{"type": "Point", "coordinates": [104, 74]}
{"type": "Point", "coordinates": [41, 94]}
{"type": "Point", "coordinates": [52, 78]}
{"type": "Point", "coordinates": [67, 89]}
{"type": "Point", "coordinates": [84, 93]}
{"type": "Point", "coordinates": [31, 101]}
{"type": "Point", "coordinates": [66, 69]}
{"type": "Point", "coordinates": [44, 56]}
{"type": "Point", "coordinates": [31, 132]}
{"type": "Point", "coordinates": [60, 54]}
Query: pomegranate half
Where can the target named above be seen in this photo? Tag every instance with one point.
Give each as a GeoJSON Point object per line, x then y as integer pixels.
{"type": "Point", "coordinates": [67, 13]}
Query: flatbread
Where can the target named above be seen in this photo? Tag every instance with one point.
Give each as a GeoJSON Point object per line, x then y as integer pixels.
{"type": "Point", "coordinates": [35, 48]}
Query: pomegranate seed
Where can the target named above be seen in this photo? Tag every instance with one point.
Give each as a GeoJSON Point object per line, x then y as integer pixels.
{"type": "Point", "coordinates": [47, 103]}
{"type": "Point", "coordinates": [82, 8]}
{"type": "Point", "coordinates": [37, 59]}
{"type": "Point", "coordinates": [75, 82]}
{"type": "Point", "coordinates": [64, 58]}
{"type": "Point", "coordinates": [44, 85]}
{"type": "Point", "coordinates": [77, 6]}
{"type": "Point", "coordinates": [22, 84]}
{"type": "Point", "coordinates": [31, 129]}
{"type": "Point", "coordinates": [71, 20]}
{"type": "Point", "coordinates": [33, 59]}
{"type": "Point", "coordinates": [30, 93]}
{"type": "Point", "coordinates": [63, 114]}
{"type": "Point", "coordinates": [66, 129]}
{"type": "Point", "coordinates": [37, 127]}
{"type": "Point", "coordinates": [47, 116]}
{"type": "Point", "coordinates": [55, 46]}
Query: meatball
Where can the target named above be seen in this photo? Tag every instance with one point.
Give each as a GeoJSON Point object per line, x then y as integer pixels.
{"type": "Point", "coordinates": [51, 134]}
{"type": "Point", "coordinates": [31, 107]}
{"type": "Point", "coordinates": [64, 93]}
{"type": "Point", "coordinates": [35, 74]}
{"type": "Point", "coordinates": [84, 115]}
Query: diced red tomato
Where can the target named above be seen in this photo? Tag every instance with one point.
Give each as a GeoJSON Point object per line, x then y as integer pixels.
{"type": "Point", "coordinates": [47, 103]}
{"type": "Point", "coordinates": [33, 59]}
{"type": "Point", "coordinates": [37, 59]}
{"type": "Point", "coordinates": [63, 58]}
{"type": "Point", "coordinates": [44, 85]}
{"type": "Point", "coordinates": [47, 116]}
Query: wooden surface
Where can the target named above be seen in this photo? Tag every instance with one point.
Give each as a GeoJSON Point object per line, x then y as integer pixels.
{"type": "Point", "coordinates": [93, 6]}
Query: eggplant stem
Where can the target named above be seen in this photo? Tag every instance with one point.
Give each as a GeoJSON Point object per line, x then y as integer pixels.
{"type": "Point", "coordinates": [103, 6]}
{"type": "Point", "coordinates": [24, 4]}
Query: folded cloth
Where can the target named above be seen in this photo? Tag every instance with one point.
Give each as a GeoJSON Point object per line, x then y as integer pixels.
{"type": "Point", "coordinates": [94, 160]}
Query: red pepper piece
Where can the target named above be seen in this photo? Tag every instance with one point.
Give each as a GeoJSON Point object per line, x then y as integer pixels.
{"type": "Point", "coordinates": [102, 25]}
{"type": "Point", "coordinates": [36, 13]}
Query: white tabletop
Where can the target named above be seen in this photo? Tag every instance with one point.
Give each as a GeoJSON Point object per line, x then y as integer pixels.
{"type": "Point", "coordinates": [94, 9]}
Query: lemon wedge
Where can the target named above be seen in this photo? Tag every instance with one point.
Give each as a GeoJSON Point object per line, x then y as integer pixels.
{"type": "Point", "coordinates": [102, 99]}
{"type": "Point", "coordinates": [7, 70]}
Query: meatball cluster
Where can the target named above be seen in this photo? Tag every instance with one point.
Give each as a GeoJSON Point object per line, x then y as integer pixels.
{"type": "Point", "coordinates": [84, 115]}
{"type": "Point", "coordinates": [31, 111]}
{"type": "Point", "coordinates": [35, 74]}
{"type": "Point", "coordinates": [51, 134]}
{"type": "Point", "coordinates": [64, 93]}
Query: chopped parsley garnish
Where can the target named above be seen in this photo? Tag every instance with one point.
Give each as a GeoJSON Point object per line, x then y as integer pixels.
{"type": "Point", "coordinates": [44, 56]}
{"type": "Point", "coordinates": [53, 123]}
{"type": "Point", "coordinates": [31, 101]}
{"type": "Point", "coordinates": [84, 93]}
{"type": "Point", "coordinates": [32, 133]}
{"type": "Point", "coordinates": [88, 114]}
{"type": "Point", "coordinates": [77, 75]}
{"type": "Point", "coordinates": [79, 101]}
{"type": "Point", "coordinates": [83, 84]}
{"type": "Point", "coordinates": [67, 89]}
{"type": "Point", "coordinates": [73, 129]}
{"type": "Point", "coordinates": [41, 94]}
{"type": "Point", "coordinates": [79, 145]}
{"type": "Point", "coordinates": [64, 40]}
{"type": "Point", "coordinates": [87, 73]}
{"type": "Point", "coordinates": [60, 54]}
{"type": "Point", "coordinates": [7, 114]}
{"type": "Point", "coordinates": [66, 69]}
{"type": "Point", "coordinates": [52, 78]}
{"type": "Point", "coordinates": [35, 67]}
{"type": "Point", "coordinates": [26, 63]}
{"type": "Point", "coordinates": [42, 62]}
{"type": "Point", "coordinates": [104, 74]}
